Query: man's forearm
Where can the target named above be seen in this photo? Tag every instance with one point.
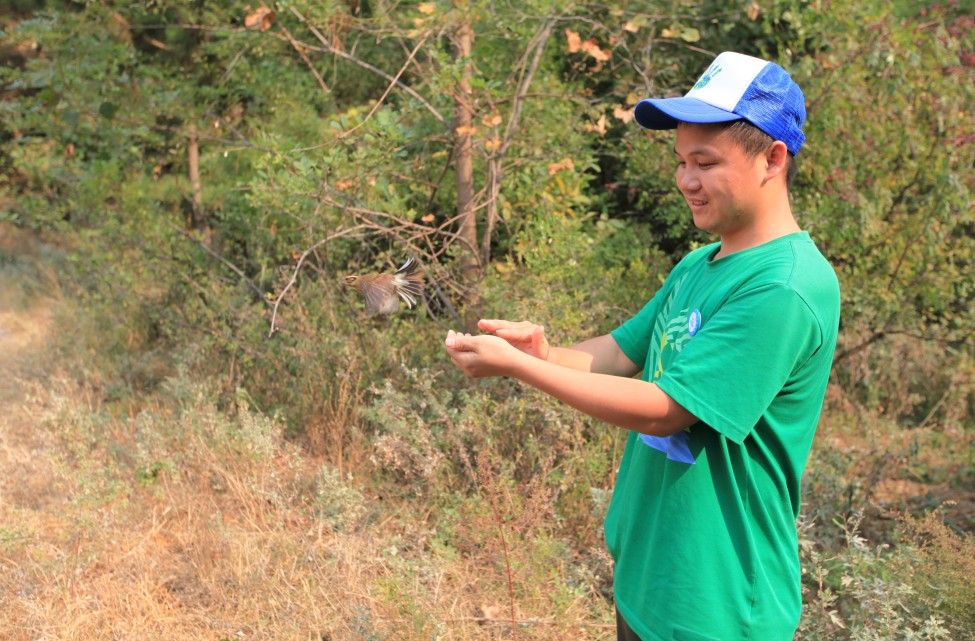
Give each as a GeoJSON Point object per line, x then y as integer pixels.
{"type": "Point", "coordinates": [599, 355]}
{"type": "Point", "coordinates": [571, 358]}
{"type": "Point", "coordinates": [625, 402]}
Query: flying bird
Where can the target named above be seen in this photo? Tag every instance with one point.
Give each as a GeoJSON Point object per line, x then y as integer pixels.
{"type": "Point", "coordinates": [384, 291]}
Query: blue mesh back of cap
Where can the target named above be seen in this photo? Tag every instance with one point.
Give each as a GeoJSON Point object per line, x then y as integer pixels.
{"type": "Point", "coordinates": [775, 104]}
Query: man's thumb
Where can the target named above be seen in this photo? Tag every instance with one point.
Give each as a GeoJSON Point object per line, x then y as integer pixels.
{"type": "Point", "coordinates": [455, 340]}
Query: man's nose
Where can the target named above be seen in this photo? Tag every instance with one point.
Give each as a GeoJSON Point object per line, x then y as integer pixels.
{"type": "Point", "coordinates": [687, 179]}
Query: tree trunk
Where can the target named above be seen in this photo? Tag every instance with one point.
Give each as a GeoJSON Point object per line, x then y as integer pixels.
{"type": "Point", "coordinates": [464, 167]}
{"type": "Point", "coordinates": [199, 220]}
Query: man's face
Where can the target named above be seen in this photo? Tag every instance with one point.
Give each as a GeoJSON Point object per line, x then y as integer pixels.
{"type": "Point", "coordinates": [720, 183]}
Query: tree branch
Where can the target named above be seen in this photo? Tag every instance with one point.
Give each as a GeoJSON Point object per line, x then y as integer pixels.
{"type": "Point", "coordinates": [301, 259]}
{"type": "Point", "coordinates": [304, 56]}
{"type": "Point", "coordinates": [328, 48]}
{"type": "Point", "coordinates": [880, 334]}
{"type": "Point", "coordinates": [392, 84]}
{"type": "Point", "coordinates": [237, 270]}
{"type": "Point", "coordinates": [496, 160]}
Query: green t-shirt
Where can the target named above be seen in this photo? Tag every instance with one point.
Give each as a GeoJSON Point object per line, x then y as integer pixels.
{"type": "Point", "coordinates": [702, 524]}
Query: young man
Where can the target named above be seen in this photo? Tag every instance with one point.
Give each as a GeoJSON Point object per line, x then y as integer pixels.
{"type": "Point", "coordinates": [735, 351]}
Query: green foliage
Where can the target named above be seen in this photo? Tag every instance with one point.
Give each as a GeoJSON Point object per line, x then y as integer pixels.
{"type": "Point", "coordinates": [919, 590]}
{"type": "Point", "coordinates": [892, 203]}
{"type": "Point", "coordinates": [940, 562]}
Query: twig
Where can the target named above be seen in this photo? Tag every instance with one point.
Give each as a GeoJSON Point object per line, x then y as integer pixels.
{"type": "Point", "coordinates": [937, 406]}
{"type": "Point", "coordinates": [304, 56]}
{"type": "Point", "coordinates": [230, 265]}
{"type": "Point", "coordinates": [365, 65]}
{"type": "Point", "coordinates": [301, 260]}
{"type": "Point", "coordinates": [539, 42]}
{"type": "Point", "coordinates": [233, 63]}
{"type": "Point", "coordinates": [484, 478]}
{"type": "Point", "coordinates": [507, 564]}
{"type": "Point", "coordinates": [392, 84]}
{"type": "Point", "coordinates": [242, 139]}
{"type": "Point", "coordinates": [399, 223]}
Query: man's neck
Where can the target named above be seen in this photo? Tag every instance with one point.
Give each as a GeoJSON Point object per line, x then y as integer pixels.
{"type": "Point", "coordinates": [761, 231]}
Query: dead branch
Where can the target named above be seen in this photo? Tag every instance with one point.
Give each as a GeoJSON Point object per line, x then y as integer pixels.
{"type": "Point", "coordinates": [533, 621]}
{"type": "Point", "coordinates": [328, 48]}
{"type": "Point", "coordinates": [230, 265]}
{"type": "Point", "coordinates": [301, 259]}
{"type": "Point", "coordinates": [304, 56]}
{"type": "Point", "coordinates": [881, 334]}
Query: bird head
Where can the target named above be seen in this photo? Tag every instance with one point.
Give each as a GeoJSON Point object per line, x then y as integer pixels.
{"type": "Point", "coordinates": [352, 281]}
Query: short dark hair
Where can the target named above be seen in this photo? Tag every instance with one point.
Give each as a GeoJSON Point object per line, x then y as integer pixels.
{"type": "Point", "coordinates": [754, 141]}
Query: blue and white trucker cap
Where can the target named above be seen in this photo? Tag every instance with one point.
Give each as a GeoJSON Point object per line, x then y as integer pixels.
{"type": "Point", "coordinates": [735, 87]}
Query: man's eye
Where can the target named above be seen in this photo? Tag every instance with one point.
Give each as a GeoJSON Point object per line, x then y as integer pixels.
{"type": "Point", "coordinates": [706, 165]}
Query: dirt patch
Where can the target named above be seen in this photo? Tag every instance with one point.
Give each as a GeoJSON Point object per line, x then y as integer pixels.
{"type": "Point", "coordinates": [25, 467]}
{"type": "Point", "coordinates": [25, 463]}
{"type": "Point", "coordinates": [22, 334]}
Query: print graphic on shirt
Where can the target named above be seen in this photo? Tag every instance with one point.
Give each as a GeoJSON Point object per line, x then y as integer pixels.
{"type": "Point", "coordinates": [673, 336]}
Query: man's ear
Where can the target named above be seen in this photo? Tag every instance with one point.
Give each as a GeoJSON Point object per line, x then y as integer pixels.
{"type": "Point", "coordinates": [776, 160]}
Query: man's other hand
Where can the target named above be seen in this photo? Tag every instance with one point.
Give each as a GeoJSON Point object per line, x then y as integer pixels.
{"type": "Point", "coordinates": [522, 335]}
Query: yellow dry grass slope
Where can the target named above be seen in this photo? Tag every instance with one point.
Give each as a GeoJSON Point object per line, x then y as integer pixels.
{"type": "Point", "coordinates": [220, 549]}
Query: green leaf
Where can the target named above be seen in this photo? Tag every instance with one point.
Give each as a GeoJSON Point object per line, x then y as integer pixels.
{"type": "Point", "coordinates": [49, 97]}
{"type": "Point", "coordinates": [108, 110]}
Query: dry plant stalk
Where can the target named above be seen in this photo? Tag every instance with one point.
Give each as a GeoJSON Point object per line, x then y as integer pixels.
{"type": "Point", "coordinates": [488, 479]}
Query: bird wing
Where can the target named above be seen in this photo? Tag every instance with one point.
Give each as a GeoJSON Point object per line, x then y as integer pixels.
{"type": "Point", "coordinates": [381, 297]}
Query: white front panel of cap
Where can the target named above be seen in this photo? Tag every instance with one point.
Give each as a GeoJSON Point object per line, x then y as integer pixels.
{"type": "Point", "coordinates": [725, 81]}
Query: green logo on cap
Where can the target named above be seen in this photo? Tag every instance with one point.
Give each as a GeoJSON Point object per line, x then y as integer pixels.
{"type": "Point", "coordinates": [712, 71]}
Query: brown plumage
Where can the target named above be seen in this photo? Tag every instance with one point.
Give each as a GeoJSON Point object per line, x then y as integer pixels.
{"type": "Point", "coordinates": [384, 291]}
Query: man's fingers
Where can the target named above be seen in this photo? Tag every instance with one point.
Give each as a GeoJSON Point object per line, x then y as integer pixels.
{"type": "Point", "coordinates": [492, 324]}
{"type": "Point", "coordinates": [458, 341]}
{"type": "Point", "coordinates": [520, 331]}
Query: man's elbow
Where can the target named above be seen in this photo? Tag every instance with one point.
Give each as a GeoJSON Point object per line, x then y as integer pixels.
{"type": "Point", "coordinates": [666, 416]}
{"type": "Point", "coordinates": [664, 426]}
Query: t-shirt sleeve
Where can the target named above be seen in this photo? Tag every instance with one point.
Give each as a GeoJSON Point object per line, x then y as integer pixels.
{"type": "Point", "coordinates": [633, 336]}
{"type": "Point", "coordinates": [742, 357]}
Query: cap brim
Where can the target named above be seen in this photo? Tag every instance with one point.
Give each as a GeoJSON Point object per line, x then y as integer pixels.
{"type": "Point", "coordinates": [665, 113]}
